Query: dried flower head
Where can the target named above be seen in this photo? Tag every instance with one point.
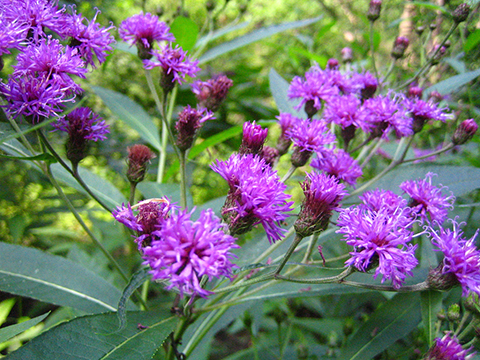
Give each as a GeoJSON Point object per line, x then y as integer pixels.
{"type": "Point", "coordinates": [210, 94]}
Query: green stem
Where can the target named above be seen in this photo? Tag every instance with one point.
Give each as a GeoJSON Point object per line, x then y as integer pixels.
{"type": "Point", "coordinates": [328, 280]}
{"type": "Point", "coordinates": [389, 72]}
{"type": "Point", "coordinates": [183, 179]}
{"type": "Point", "coordinates": [406, 288]}
{"type": "Point", "coordinates": [442, 150]}
{"type": "Point", "coordinates": [289, 173]}
{"type": "Point", "coordinates": [23, 139]}
{"type": "Point", "coordinates": [311, 246]}
{"type": "Point", "coordinates": [131, 198]}
{"type": "Point", "coordinates": [372, 153]}
{"type": "Point", "coordinates": [372, 51]}
{"type": "Point", "coordinates": [289, 253]}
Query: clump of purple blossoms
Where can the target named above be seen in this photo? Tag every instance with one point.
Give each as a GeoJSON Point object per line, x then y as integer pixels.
{"type": "Point", "coordinates": [183, 250]}
{"type": "Point", "coordinates": [338, 163]}
{"type": "Point", "coordinates": [11, 35]}
{"type": "Point", "coordinates": [82, 125]}
{"type": "Point", "coordinates": [253, 139]}
{"type": "Point", "coordinates": [88, 37]}
{"type": "Point", "coordinates": [377, 199]}
{"type": "Point", "coordinates": [189, 123]}
{"type": "Point", "coordinates": [461, 259]}
{"type": "Point", "coordinates": [315, 88]}
{"type": "Point", "coordinates": [175, 63]}
{"type": "Point", "coordinates": [448, 348]}
{"type": "Point", "coordinates": [427, 200]}
{"type": "Point", "coordinates": [256, 196]}
{"type": "Point", "coordinates": [211, 93]}
{"type": "Point", "coordinates": [323, 194]}
{"type": "Point", "coordinates": [381, 240]}
{"type": "Point", "coordinates": [422, 111]}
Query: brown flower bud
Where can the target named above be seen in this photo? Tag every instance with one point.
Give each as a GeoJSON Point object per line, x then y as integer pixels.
{"type": "Point", "coordinates": [138, 158]}
{"type": "Point", "coordinates": [460, 14]}
{"type": "Point", "coordinates": [464, 132]}
{"type": "Point", "coordinates": [374, 10]}
{"type": "Point", "coordinates": [438, 280]}
{"type": "Point", "coordinates": [400, 45]}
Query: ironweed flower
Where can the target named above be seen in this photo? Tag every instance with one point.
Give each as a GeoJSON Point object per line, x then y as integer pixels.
{"type": "Point", "coordinates": [422, 111]}
{"type": "Point", "coordinates": [142, 30]}
{"type": "Point", "coordinates": [256, 196]}
{"type": "Point", "coordinates": [89, 37]}
{"type": "Point", "coordinates": [253, 139]}
{"type": "Point", "coordinates": [82, 125]}
{"type": "Point", "coordinates": [175, 63]}
{"type": "Point", "coordinates": [11, 35]}
{"type": "Point", "coordinates": [399, 46]}
{"type": "Point", "coordinates": [427, 200]}
{"type": "Point", "coordinates": [464, 132]}
{"type": "Point", "coordinates": [323, 194]}
{"type": "Point", "coordinates": [338, 163]}
{"type": "Point", "coordinates": [184, 250]}
{"type": "Point", "coordinates": [449, 348]}
{"type": "Point", "coordinates": [377, 199]}
{"type": "Point", "coordinates": [188, 124]}
{"type": "Point", "coordinates": [286, 121]}
{"type": "Point", "coordinates": [461, 260]}
{"type": "Point", "coordinates": [380, 240]}
{"type": "Point", "coordinates": [211, 93]}
{"type": "Point", "coordinates": [138, 158]}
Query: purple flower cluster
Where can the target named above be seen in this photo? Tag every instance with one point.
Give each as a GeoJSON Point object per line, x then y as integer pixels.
{"type": "Point", "coordinates": [177, 248]}
{"type": "Point", "coordinates": [380, 233]}
{"type": "Point", "coordinates": [256, 196]}
{"type": "Point", "coordinates": [253, 139]}
{"type": "Point", "coordinates": [189, 123]}
{"type": "Point", "coordinates": [448, 347]}
{"type": "Point", "coordinates": [310, 135]}
{"type": "Point", "coordinates": [338, 163]}
{"type": "Point", "coordinates": [461, 257]}
{"type": "Point", "coordinates": [211, 93]}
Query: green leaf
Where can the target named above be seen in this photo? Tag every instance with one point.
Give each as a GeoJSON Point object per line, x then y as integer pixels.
{"type": "Point", "coordinates": [319, 59]}
{"type": "Point", "coordinates": [7, 133]}
{"type": "Point", "coordinates": [392, 321]}
{"type": "Point", "coordinates": [220, 32]}
{"type": "Point", "coordinates": [131, 114]}
{"type": "Point", "coordinates": [13, 330]}
{"type": "Point", "coordinates": [197, 149]}
{"type": "Point", "coordinates": [252, 37]}
{"type": "Point", "coordinates": [459, 179]}
{"type": "Point", "coordinates": [431, 302]}
{"type": "Point", "coordinates": [46, 157]}
{"type": "Point", "coordinates": [137, 280]}
{"type": "Point", "coordinates": [92, 337]}
{"type": "Point", "coordinates": [453, 83]}
{"type": "Point", "coordinates": [123, 46]}
{"type": "Point", "coordinates": [185, 31]}
{"type": "Point", "coordinates": [431, 6]}
{"type": "Point", "coordinates": [5, 308]}
{"type": "Point", "coordinates": [52, 279]}
{"type": "Point", "coordinates": [150, 190]}
{"type": "Point", "coordinates": [102, 188]}
{"type": "Point", "coordinates": [279, 89]}
{"type": "Point", "coordinates": [472, 41]}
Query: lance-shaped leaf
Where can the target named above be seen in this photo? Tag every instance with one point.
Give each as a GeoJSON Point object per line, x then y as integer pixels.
{"type": "Point", "coordinates": [13, 330]}
{"type": "Point", "coordinates": [93, 337]}
{"type": "Point", "coordinates": [453, 83]}
{"type": "Point", "coordinates": [53, 279]}
{"type": "Point", "coordinates": [279, 89]}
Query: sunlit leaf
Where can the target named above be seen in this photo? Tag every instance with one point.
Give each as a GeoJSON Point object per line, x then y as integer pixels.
{"type": "Point", "coordinates": [279, 89]}
{"type": "Point", "coordinates": [13, 330]}
{"type": "Point", "coordinates": [185, 31]}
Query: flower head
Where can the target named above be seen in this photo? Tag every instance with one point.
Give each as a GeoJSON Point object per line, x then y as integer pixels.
{"type": "Point", "coordinates": [380, 239]}
{"type": "Point", "coordinates": [189, 123]}
{"type": "Point", "coordinates": [256, 196]}
{"type": "Point", "coordinates": [138, 158]}
{"type": "Point", "coordinates": [253, 138]}
{"type": "Point", "coordinates": [461, 257]}
{"type": "Point", "coordinates": [464, 132]}
{"type": "Point", "coordinates": [448, 348]}
{"type": "Point", "coordinates": [323, 194]}
{"type": "Point", "coordinates": [11, 35]}
{"type": "Point", "coordinates": [211, 93]}
{"type": "Point", "coordinates": [184, 250]}
{"type": "Point", "coordinates": [427, 200]}
{"type": "Point", "coordinates": [175, 63]}
{"type": "Point", "coordinates": [377, 199]}
{"type": "Point", "coordinates": [142, 30]}
{"type": "Point", "coordinates": [82, 124]}
{"type": "Point", "coordinates": [422, 111]}
{"type": "Point", "coordinates": [89, 37]}
{"type": "Point", "coordinates": [338, 163]}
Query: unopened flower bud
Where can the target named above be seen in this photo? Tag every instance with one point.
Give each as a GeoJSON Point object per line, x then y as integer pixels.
{"type": "Point", "coordinates": [210, 5]}
{"type": "Point", "coordinates": [332, 64]}
{"type": "Point", "coordinates": [464, 132]}
{"type": "Point", "coordinates": [270, 155]}
{"type": "Point", "coordinates": [438, 280]}
{"type": "Point", "coordinates": [437, 54]}
{"type": "Point", "coordinates": [472, 303]}
{"type": "Point", "coordinates": [419, 30]}
{"type": "Point", "coordinates": [210, 94]}
{"type": "Point", "coordinates": [400, 45]}
{"type": "Point", "coordinates": [310, 109]}
{"type": "Point", "coordinates": [460, 14]}
{"type": "Point", "coordinates": [441, 315]}
{"type": "Point", "coordinates": [374, 10]}
{"type": "Point", "coordinates": [453, 312]}
{"type": "Point", "coordinates": [415, 92]}
{"type": "Point", "coordinates": [188, 124]}
{"type": "Point", "coordinates": [432, 26]}
{"type": "Point", "coordinates": [347, 55]}
{"type": "Point", "coordinates": [138, 158]}
{"type": "Point", "coordinates": [253, 139]}
{"type": "Point", "coordinates": [242, 8]}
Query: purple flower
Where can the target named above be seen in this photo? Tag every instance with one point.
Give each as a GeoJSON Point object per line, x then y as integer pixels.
{"type": "Point", "coordinates": [184, 250]}
{"type": "Point", "coordinates": [189, 123]}
{"type": "Point", "coordinates": [286, 121]}
{"type": "Point", "coordinates": [148, 220]}
{"type": "Point", "coordinates": [428, 200]}
{"type": "Point", "coordinates": [461, 257]}
{"type": "Point", "coordinates": [422, 111]}
{"type": "Point", "coordinates": [367, 82]}
{"type": "Point", "coordinates": [256, 196]}
{"type": "Point", "coordinates": [81, 125]}
{"type": "Point", "coordinates": [345, 111]}
{"type": "Point", "coordinates": [338, 163]}
{"type": "Point", "coordinates": [175, 63]}
{"type": "Point", "coordinates": [377, 199]}
{"type": "Point", "coordinates": [323, 194]}
{"type": "Point", "coordinates": [49, 58]}
{"type": "Point", "coordinates": [36, 14]}
{"type": "Point", "coordinates": [88, 37]}
{"type": "Point", "coordinates": [384, 114]}
{"type": "Point", "coordinates": [380, 239]}
{"type": "Point", "coordinates": [448, 347]}
{"type": "Point", "coordinates": [317, 86]}
{"type": "Point", "coordinates": [36, 97]}
{"type": "Point", "coordinates": [11, 35]}
{"type": "Point", "coordinates": [253, 138]}
{"type": "Point", "coordinates": [212, 93]}
{"type": "Point", "coordinates": [144, 29]}
{"type": "Point", "coordinates": [310, 135]}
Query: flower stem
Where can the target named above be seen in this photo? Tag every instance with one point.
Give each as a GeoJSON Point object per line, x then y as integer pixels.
{"type": "Point", "coordinates": [289, 253]}
{"type": "Point", "coordinates": [407, 288]}
{"type": "Point", "coordinates": [328, 280]}
{"type": "Point", "coordinates": [372, 50]}
{"type": "Point", "coordinates": [131, 198]}
{"type": "Point", "coordinates": [311, 246]}
{"type": "Point", "coordinates": [289, 173]}
{"type": "Point", "coordinates": [183, 179]}
{"type": "Point", "coordinates": [442, 150]}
